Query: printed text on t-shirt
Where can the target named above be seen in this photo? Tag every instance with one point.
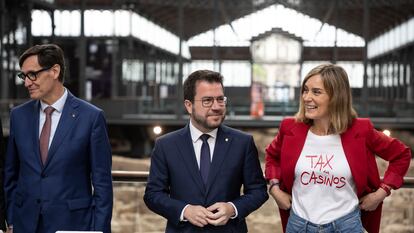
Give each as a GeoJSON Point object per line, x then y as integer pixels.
{"type": "Point", "coordinates": [320, 172]}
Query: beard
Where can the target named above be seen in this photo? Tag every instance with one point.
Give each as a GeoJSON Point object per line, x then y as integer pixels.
{"type": "Point", "coordinates": [205, 122]}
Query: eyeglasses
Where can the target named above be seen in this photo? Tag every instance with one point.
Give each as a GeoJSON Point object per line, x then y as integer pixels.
{"type": "Point", "coordinates": [209, 100]}
{"type": "Point", "coordinates": [31, 75]}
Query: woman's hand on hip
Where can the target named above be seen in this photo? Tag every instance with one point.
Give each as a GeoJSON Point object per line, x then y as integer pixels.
{"type": "Point", "coordinates": [371, 201]}
{"type": "Point", "coordinates": [282, 198]}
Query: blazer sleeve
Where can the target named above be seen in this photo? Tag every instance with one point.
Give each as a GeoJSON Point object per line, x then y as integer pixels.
{"type": "Point", "coordinates": [11, 171]}
{"type": "Point", "coordinates": [101, 162]}
{"type": "Point", "coordinates": [392, 150]}
{"type": "Point", "coordinates": [254, 184]}
{"type": "Point", "coordinates": [157, 192]}
{"type": "Point", "coordinates": [272, 157]}
{"type": "Point", "coordinates": [2, 198]}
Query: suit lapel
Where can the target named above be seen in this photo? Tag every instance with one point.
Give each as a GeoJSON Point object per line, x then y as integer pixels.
{"type": "Point", "coordinates": [354, 149]}
{"type": "Point", "coordinates": [187, 154]}
{"type": "Point", "coordinates": [223, 142]}
{"type": "Point", "coordinates": [293, 143]}
{"type": "Point", "coordinates": [66, 122]}
{"type": "Point", "coordinates": [35, 131]}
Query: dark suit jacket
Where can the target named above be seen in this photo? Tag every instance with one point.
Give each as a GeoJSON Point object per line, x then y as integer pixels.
{"type": "Point", "coordinates": [361, 142]}
{"type": "Point", "coordinates": [79, 158]}
{"type": "Point", "coordinates": [2, 201]}
{"type": "Point", "coordinates": [175, 180]}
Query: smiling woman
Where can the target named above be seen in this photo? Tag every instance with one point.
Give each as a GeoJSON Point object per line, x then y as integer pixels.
{"type": "Point", "coordinates": [326, 102]}
{"type": "Point", "coordinates": [316, 101]}
{"type": "Point", "coordinates": [326, 152]}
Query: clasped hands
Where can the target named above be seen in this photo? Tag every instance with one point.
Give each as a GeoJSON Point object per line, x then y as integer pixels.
{"type": "Point", "coordinates": [217, 214]}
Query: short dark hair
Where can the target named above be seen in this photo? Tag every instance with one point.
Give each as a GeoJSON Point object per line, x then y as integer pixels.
{"type": "Point", "coordinates": [200, 75]}
{"type": "Point", "coordinates": [47, 56]}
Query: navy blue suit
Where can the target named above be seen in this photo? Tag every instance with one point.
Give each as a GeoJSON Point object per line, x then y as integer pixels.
{"type": "Point", "coordinates": [60, 191]}
{"type": "Point", "coordinates": [175, 180]}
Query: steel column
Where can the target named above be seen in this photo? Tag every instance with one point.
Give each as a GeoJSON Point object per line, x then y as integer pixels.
{"type": "Point", "coordinates": [215, 49]}
{"type": "Point", "coordinates": [364, 93]}
{"type": "Point", "coordinates": [114, 59]}
{"type": "Point", "coordinates": [410, 97]}
{"type": "Point", "coordinates": [52, 16]}
{"type": "Point", "coordinates": [179, 89]}
{"type": "Point", "coordinates": [335, 48]}
{"type": "Point", "coordinates": [82, 52]}
{"type": "Point", "coordinates": [29, 39]}
{"type": "Point", "coordinates": [3, 78]}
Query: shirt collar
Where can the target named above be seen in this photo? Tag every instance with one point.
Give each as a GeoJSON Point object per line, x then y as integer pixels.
{"type": "Point", "coordinates": [196, 133]}
{"type": "Point", "coordinates": [58, 105]}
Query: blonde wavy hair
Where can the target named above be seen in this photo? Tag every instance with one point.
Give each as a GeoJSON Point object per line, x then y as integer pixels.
{"type": "Point", "coordinates": [336, 84]}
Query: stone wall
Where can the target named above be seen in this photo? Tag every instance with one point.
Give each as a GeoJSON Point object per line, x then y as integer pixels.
{"type": "Point", "coordinates": [132, 216]}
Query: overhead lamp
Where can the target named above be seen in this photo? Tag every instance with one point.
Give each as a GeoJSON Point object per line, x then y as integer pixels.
{"type": "Point", "coordinates": [157, 130]}
{"type": "Point", "coordinates": [387, 132]}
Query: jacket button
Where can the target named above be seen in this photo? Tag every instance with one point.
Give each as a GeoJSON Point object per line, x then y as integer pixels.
{"type": "Point", "coordinates": [43, 175]}
{"type": "Point", "coordinates": [38, 201]}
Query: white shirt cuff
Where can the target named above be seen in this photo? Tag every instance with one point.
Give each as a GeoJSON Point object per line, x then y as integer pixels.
{"type": "Point", "coordinates": [182, 214]}
{"type": "Point", "coordinates": [236, 213]}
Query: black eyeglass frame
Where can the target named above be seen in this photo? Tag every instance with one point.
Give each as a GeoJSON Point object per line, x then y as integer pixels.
{"type": "Point", "coordinates": [32, 75]}
{"type": "Point", "coordinates": [208, 101]}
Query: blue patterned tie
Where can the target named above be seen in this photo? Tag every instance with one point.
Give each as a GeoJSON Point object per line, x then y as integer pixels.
{"type": "Point", "coordinates": [205, 160]}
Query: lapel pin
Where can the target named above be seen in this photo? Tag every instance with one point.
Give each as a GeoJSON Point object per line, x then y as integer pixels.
{"type": "Point", "coordinates": [226, 139]}
{"type": "Point", "coordinates": [73, 115]}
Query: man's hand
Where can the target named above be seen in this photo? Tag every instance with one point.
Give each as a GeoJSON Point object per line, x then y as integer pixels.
{"type": "Point", "coordinates": [371, 201]}
{"type": "Point", "coordinates": [223, 211]}
{"type": "Point", "coordinates": [283, 199]}
{"type": "Point", "coordinates": [197, 215]}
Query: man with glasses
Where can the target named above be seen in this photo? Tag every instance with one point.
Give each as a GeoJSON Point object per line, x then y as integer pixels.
{"type": "Point", "coordinates": [197, 172]}
{"type": "Point", "coordinates": [58, 160]}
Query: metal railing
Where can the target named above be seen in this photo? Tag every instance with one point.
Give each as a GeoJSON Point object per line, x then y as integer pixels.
{"type": "Point", "coordinates": [141, 176]}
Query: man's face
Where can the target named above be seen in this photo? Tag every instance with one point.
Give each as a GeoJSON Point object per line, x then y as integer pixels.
{"type": "Point", "coordinates": [43, 87]}
{"type": "Point", "coordinates": [204, 117]}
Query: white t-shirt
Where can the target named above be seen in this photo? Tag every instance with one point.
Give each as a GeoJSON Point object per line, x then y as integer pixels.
{"type": "Point", "coordinates": [323, 189]}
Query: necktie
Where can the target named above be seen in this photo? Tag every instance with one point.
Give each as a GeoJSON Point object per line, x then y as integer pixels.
{"type": "Point", "coordinates": [45, 134]}
{"type": "Point", "coordinates": [205, 160]}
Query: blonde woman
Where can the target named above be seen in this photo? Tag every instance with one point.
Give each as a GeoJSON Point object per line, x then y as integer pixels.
{"type": "Point", "coordinates": [321, 165]}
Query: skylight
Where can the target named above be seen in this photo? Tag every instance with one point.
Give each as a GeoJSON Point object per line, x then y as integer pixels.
{"type": "Point", "coordinates": [276, 16]}
{"type": "Point", "coordinates": [120, 23]}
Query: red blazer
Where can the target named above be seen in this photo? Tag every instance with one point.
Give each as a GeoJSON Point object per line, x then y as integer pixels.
{"type": "Point", "coordinates": [361, 142]}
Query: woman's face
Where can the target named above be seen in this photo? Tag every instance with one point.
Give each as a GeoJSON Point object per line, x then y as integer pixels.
{"type": "Point", "coordinates": [315, 99]}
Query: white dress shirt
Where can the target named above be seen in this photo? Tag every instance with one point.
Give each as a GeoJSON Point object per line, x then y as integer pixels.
{"type": "Point", "coordinates": [197, 142]}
